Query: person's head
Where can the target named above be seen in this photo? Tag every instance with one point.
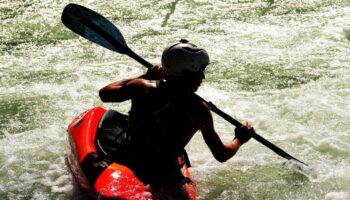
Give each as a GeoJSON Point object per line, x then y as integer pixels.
{"type": "Point", "coordinates": [185, 62]}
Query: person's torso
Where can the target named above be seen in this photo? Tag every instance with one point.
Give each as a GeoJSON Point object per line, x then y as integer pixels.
{"type": "Point", "coordinates": [163, 122]}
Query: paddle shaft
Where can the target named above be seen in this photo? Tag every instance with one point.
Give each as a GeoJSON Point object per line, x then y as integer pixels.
{"type": "Point", "coordinates": [257, 137]}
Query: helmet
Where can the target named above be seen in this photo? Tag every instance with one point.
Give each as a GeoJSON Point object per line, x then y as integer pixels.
{"type": "Point", "coordinates": [184, 56]}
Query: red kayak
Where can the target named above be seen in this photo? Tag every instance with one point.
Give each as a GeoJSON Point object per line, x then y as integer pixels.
{"type": "Point", "coordinates": [97, 175]}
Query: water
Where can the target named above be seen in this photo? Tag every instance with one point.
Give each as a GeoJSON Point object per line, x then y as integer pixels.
{"type": "Point", "coordinates": [282, 65]}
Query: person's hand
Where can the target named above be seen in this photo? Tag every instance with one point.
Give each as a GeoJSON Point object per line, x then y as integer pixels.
{"type": "Point", "coordinates": [244, 133]}
{"type": "Point", "coordinates": [155, 73]}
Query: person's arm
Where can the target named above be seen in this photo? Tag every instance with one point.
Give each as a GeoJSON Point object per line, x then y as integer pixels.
{"type": "Point", "coordinates": [125, 89]}
{"type": "Point", "coordinates": [222, 152]}
{"type": "Point", "coordinates": [120, 90]}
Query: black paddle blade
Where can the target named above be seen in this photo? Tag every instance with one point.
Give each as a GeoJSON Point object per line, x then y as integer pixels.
{"type": "Point", "coordinates": [94, 27]}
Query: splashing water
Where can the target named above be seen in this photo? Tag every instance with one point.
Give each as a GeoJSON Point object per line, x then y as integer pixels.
{"type": "Point", "coordinates": [282, 65]}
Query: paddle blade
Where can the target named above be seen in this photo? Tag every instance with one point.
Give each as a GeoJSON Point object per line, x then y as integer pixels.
{"type": "Point", "coordinates": [94, 27]}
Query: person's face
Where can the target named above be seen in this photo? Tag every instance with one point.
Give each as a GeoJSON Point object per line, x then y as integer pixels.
{"type": "Point", "coordinates": [198, 78]}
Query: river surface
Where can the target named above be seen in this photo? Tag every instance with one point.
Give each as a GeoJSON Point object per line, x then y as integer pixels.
{"type": "Point", "coordinates": [282, 65]}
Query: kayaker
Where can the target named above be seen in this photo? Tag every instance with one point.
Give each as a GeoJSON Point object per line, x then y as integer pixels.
{"type": "Point", "coordinates": [165, 115]}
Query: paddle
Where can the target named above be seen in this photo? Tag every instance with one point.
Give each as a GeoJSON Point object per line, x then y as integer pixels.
{"type": "Point", "coordinates": [96, 28]}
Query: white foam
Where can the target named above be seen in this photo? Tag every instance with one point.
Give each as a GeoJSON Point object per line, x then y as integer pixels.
{"type": "Point", "coordinates": [337, 196]}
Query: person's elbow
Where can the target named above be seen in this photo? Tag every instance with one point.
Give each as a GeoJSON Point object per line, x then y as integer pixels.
{"type": "Point", "coordinates": [223, 157]}
{"type": "Point", "coordinates": [107, 95]}
{"type": "Point", "coordinates": [104, 95]}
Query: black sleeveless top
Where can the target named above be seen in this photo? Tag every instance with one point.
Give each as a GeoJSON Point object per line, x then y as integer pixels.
{"type": "Point", "coordinates": [153, 121]}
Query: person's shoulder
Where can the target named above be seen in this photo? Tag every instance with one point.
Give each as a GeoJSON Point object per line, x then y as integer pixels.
{"type": "Point", "coordinates": [202, 107]}
{"type": "Point", "coordinates": [141, 83]}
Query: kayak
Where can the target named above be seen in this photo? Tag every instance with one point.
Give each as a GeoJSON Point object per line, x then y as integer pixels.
{"type": "Point", "coordinates": [89, 155]}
